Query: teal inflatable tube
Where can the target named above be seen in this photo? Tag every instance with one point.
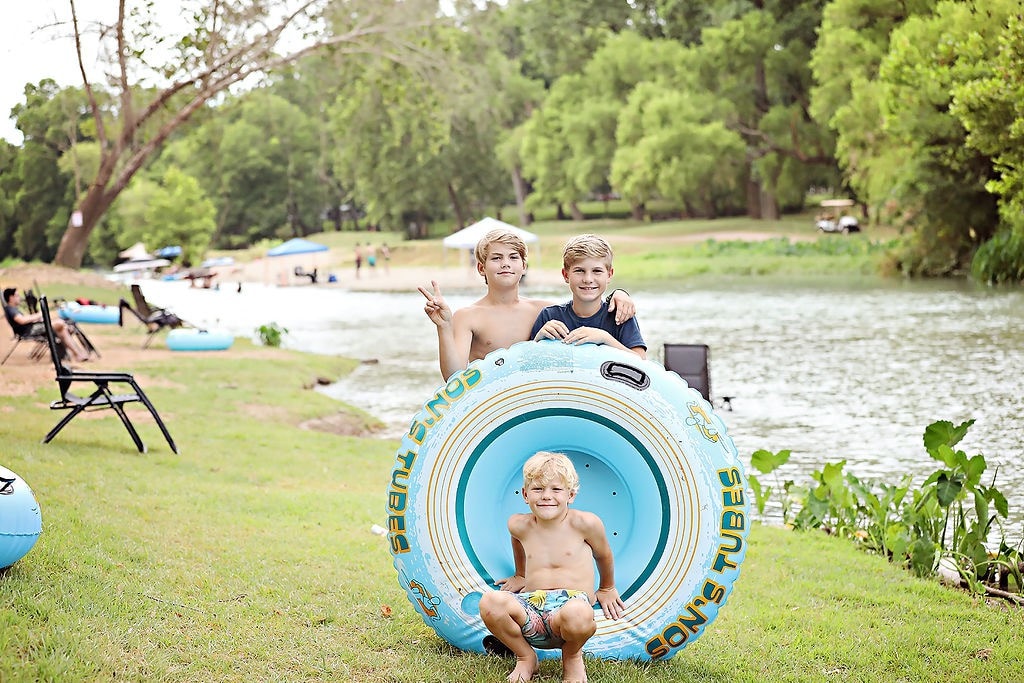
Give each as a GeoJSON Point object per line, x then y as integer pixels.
{"type": "Point", "coordinates": [20, 520]}
{"type": "Point", "coordinates": [91, 313]}
{"type": "Point", "coordinates": [199, 340]}
{"type": "Point", "coordinates": [655, 463]}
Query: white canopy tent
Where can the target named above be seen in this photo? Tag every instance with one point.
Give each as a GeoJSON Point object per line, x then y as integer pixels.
{"type": "Point", "coordinates": [467, 238]}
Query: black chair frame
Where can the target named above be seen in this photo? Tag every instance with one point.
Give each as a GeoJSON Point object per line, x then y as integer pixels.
{"type": "Point", "coordinates": [101, 398]}
{"type": "Point", "coordinates": [155, 319]}
{"type": "Point", "coordinates": [38, 339]}
{"type": "Point", "coordinates": [692, 362]}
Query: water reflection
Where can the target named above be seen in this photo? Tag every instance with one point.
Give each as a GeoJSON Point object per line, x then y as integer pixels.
{"type": "Point", "coordinates": [830, 372]}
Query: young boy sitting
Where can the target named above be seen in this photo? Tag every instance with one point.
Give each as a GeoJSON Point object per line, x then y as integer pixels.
{"type": "Point", "coordinates": [547, 604]}
{"type": "Point", "coordinates": [501, 317]}
{"type": "Point", "coordinates": [587, 268]}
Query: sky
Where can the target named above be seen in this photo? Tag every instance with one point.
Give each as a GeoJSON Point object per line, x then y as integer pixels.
{"type": "Point", "coordinates": [36, 43]}
{"type": "Point", "coordinates": [29, 52]}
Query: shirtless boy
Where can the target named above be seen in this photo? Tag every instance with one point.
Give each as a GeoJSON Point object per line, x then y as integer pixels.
{"type": "Point", "coordinates": [501, 318]}
{"type": "Point", "coordinates": [547, 604]}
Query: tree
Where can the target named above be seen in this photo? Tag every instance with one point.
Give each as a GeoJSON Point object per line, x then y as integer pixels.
{"type": "Point", "coordinates": [49, 119]}
{"type": "Point", "coordinates": [991, 110]}
{"type": "Point", "coordinates": [853, 40]}
{"type": "Point", "coordinates": [758, 61]}
{"type": "Point", "coordinates": [257, 160]}
{"type": "Point", "coordinates": [179, 213]}
{"type": "Point", "coordinates": [940, 183]}
{"type": "Point", "coordinates": [569, 142]}
{"type": "Point", "coordinates": [9, 182]}
{"type": "Point", "coordinates": [673, 143]}
{"type": "Point", "coordinates": [230, 42]}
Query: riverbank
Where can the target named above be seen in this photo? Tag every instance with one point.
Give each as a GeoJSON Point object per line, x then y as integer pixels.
{"type": "Point", "coordinates": [249, 556]}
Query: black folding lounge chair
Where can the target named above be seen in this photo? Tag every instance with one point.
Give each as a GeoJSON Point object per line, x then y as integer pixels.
{"type": "Point", "coordinates": [101, 397]}
{"type": "Point", "coordinates": [155, 319]}
{"type": "Point", "coordinates": [692, 363]}
{"type": "Point", "coordinates": [37, 339]}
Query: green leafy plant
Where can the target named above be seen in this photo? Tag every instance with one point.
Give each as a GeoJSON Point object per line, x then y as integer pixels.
{"type": "Point", "coordinates": [271, 334]}
{"type": "Point", "coordinates": [949, 518]}
{"type": "Point", "coordinates": [767, 462]}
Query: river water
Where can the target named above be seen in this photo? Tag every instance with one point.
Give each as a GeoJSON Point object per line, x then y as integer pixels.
{"type": "Point", "coordinates": [830, 371]}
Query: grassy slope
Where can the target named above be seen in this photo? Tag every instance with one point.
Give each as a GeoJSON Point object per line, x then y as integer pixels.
{"type": "Point", "coordinates": [249, 557]}
{"type": "Point", "coordinates": [664, 250]}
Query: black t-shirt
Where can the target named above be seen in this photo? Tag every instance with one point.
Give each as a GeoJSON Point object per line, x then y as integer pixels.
{"type": "Point", "coordinates": [10, 312]}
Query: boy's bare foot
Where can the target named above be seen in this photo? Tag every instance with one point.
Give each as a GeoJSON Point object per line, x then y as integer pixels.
{"type": "Point", "coordinates": [573, 669]}
{"type": "Point", "coordinates": [525, 668]}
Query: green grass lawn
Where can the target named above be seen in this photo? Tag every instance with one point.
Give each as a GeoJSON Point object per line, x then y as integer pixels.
{"type": "Point", "coordinates": [249, 557]}
{"type": "Point", "coordinates": [669, 250]}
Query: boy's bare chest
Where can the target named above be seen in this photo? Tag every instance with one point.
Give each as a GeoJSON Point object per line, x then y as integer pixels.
{"type": "Point", "coordinates": [501, 327]}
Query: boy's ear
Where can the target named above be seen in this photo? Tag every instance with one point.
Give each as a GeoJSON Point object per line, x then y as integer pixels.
{"type": "Point", "coordinates": [611, 271]}
{"type": "Point", "coordinates": [565, 275]}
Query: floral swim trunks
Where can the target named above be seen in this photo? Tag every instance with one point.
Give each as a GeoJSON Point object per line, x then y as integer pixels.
{"type": "Point", "coordinates": [540, 605]}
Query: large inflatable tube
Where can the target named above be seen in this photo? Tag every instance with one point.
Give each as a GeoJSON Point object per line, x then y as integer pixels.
{"type": "Point", "coordinates": [655, 464]}
{"type": "Point", "coordinates": [20, 520]}
{"type": "Point", "coordinates": [90, 313]}
{"type": "Point", "coordinates": [199, 340]}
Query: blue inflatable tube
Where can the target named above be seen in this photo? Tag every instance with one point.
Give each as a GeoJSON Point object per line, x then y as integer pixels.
{"type": "Point", "coordinates": [20, 520]}
{"type": "Point", "coordinates": [655, 463]}
{"type": "Point", "coordinates": [199, 340]}
{"type": "Point", "coordinates": [91, 313]}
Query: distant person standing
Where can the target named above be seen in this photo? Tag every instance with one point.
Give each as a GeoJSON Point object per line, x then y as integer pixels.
{"type": "Point", "coordinates": [371, 257]}
{"type": "Point", "coordinates": [385, 253]}
{"type": "Point", "coordinates": [359, 259]}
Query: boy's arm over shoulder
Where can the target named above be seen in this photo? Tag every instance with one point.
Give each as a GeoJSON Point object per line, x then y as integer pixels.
{"type": "Point", "coordinates": [631, 338]}
{"type": "Point", "coordinates": [621, 304]}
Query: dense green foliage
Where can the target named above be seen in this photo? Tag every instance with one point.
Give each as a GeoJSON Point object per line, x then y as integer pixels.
{"type": "Point", "coordinates": [949, 520]}
{"type": "Point", "coordinates": [711, 109]}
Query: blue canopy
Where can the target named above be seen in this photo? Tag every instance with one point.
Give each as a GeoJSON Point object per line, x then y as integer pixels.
{"type": "Point", "coordinates": [296, 246]}
{"type": "Point", "coordinates": [169, 252]}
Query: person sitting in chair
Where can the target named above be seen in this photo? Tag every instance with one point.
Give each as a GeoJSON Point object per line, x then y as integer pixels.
{"type": "Point", "coordinates": [31, 324]}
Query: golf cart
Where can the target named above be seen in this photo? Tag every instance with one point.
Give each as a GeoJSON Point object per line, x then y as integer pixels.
{"type": "Point", "coordinates": [834, 217]}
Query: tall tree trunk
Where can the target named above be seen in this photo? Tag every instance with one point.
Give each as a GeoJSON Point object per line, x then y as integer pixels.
{"type": "Point", "coordinates": [73, 243]}
{"type": "Point", "coordinates": [638, 210]}
{"type": "Point", "coordinates": [456, 206]}
{"type": "Point", "coordinates": [519, 185]}
{"type": "Point", "coordinates": [574, 209]}
{"type": "Point", "coordinates": [769, 205]}
{"type": "Point", "coordinates": [753, 198]}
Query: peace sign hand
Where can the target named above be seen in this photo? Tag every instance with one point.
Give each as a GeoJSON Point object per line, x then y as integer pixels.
{"type": "Point", "coordinates": [436, 307]}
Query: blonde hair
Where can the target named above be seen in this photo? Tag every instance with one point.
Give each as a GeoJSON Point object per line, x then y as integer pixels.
{"type": "Point", "coordinates": [544, 468]}
{"type": "Point", "coordinates": [500, 236]}
{"type": "Point", "coordinates": [584, 247]}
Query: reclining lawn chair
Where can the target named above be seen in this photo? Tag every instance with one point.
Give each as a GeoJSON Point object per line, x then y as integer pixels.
{"type": "Point", "coordinates": [692, 362]}
{"type": "Point", "coordinates": [155, 319]}
{"type": "Point", "coordinates": [36, 338]}
{"type": "Point", "coordinates": [36, 335]}
{"type": "Point", "coordinates": [101, 397]}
